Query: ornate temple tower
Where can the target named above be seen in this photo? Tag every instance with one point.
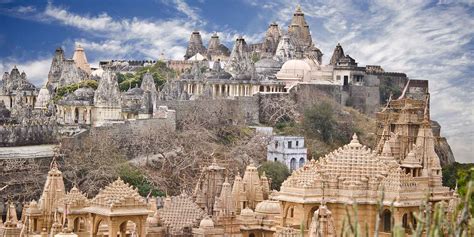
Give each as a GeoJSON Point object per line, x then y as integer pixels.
{"type": "Point", "coordinates": [209, 186]}
{"type": "Point", "coordinates": [299, 29]}
{"type": "Point", "coordinates": [337, 55]}
{"type": "Point", "coordinates": [270, 43]}
{"type": "Point", "coordinates": [148, 86]}
{"type": "Point", "coordinates": [216, 50]}
{"type": "Point", "coordinates": [248, 191]}
{"type": "Point", "coordinates": [107, 99]}
{"type": "Point", "coordinates": [53, 193]}
{"type": "Point", "coordinates": [55, 69]}
{"type": "Point", "coordinates": [195, 45]}
{"type": "Point", "coordinates": [240, 64]}
{"type": "Point", "coordinates": [80, 59]}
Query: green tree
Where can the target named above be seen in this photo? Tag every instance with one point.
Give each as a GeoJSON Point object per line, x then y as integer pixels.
{"type": "Point", "coordinates": [276, 171]}
{"type": "Point", "coordinates": [159, 71]}
{"type": "Point", "coordinates": [64, 90]}
{"type": "Point", "coordinates": [134, 177]}
{"type": "Point", "coordinates": [319, 120]}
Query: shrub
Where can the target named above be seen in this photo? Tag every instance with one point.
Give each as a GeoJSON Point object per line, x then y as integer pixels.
{"type": "Point", "coordinates": [319, 120]}
{"type": "Point", "coordinates": [134, 177]}
{"type": "Point", "coordinates": [276, 171]}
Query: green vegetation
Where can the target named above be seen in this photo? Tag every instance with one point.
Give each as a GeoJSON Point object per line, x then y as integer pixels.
{"type": "Point", "coordinates": [135, 177]}
{"type": "Point", "coordinates": [387, 88]}
{"type": "Point", "coordinates": [319, 119]}
{"type": "Point", "coordinates": [160, 72]}
{"type": "Point", "coordinates": [460, 174]}
{"type": "Point", "coordinates": [276, 171]}
{"type": "Point", "coordinates": [327, 126]}
{"type": "Point", "coordinates": [64, 90]}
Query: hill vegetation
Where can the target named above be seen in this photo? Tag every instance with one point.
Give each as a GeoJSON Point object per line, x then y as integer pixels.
{"type": "Point", "coordinates": [160, 72]}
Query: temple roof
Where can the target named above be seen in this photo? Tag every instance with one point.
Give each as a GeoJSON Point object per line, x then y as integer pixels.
{"type": "Point", "coordinates": [352, 165]}
{"type": "Point", "coordinates": [75, 199]}
{"type": "Point", "coordinates": [179, 212]}
{"type": "Point", "coordinates": [117, 199]}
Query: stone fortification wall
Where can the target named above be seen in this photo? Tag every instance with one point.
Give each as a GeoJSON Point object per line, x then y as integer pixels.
{"type": "Point", "coordinates": [240, 110]}
{"type": "Point", "coordinates": [306, 94]}
{"type": "Point", "coordinates": [366, 99]}
{"type": "Point", "coordinates": [31, 134]}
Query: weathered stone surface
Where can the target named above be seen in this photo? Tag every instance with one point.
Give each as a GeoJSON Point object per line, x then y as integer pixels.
{"type": "Point", "coordinates": [195, 45]}
{"type": "Point", "coordinates": [240, 64]}
{"type": "Point", "coordinates": [216, 50]}
{"type": "Point", "coordinates": [55, 69]}
{"type": "Point", "coordinates": [107, 93]}
{"type": "Point", "coordinates": [337, 55]}
{"type": "Point", "coordinates": [70, 73]}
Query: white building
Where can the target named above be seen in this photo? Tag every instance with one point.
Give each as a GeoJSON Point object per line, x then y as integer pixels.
{"type": "Point", "coordinates": [287, 150]}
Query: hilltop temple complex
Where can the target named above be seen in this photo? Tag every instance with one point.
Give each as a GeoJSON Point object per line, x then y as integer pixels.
{"type": "Point", "coordinates": [401, 173]}
{"type": "Point", "coordinates": [311, 201]}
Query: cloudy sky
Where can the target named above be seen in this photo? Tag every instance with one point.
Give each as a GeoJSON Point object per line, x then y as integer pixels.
{"type": "Point", "coordinates": [425, 39]}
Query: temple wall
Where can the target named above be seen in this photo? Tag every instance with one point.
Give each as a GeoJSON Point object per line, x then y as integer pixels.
{"type": "Point", "coordinates": [242, 110]}
{"type": "Point", "coordinates": [21, 135]}
{"type": "Point", "coordinates": [366, 99]}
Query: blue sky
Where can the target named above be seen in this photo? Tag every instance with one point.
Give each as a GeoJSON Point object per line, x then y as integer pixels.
{"type": "Point", "coordinates": [426, 39]}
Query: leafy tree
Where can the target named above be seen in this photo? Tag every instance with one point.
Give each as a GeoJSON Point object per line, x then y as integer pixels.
{"type": "Point", "coordinates": [460, 174]}
{"type": "Point", "coordinates": [159, 71]}
{"type": "Point", "coordinates": [62, 91]}
{"type": "Point", "coordinates": [388, 87]}
{"type": "Point", "coordinates": [135, 177]}
{"type": "Point", "coordinates": [319, 120]}
{"type": "Point", "coordinates": [276, 171]}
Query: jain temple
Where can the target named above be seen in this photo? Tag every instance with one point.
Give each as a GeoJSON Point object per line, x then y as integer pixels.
{"type": "Point", "coordinates": [391, 181]}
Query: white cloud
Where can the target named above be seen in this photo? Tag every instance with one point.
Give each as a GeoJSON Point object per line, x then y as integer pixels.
{"type": "Point", "coordinates": [25, 9]}
{"type": "Point", "coordinates": [36, 70]}
{"type": "Point", "coordinates": [183, 7]}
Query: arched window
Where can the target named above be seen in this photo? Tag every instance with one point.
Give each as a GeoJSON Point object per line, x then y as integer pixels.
{"type": "Point", "coordinates": [386, 221]}
{"type": "Point", "coordinates": [301, 162]}
{"type": "Point", "coordinates": [405, 221]}
{"type": "Point", "coordinates": [291, 212]}
{"type": "Point", "coordinates": [251, 235]}
{"type": "Point", "coordinates": [292, 164]}
{"type": "Point", "coordinates": [76, 115]}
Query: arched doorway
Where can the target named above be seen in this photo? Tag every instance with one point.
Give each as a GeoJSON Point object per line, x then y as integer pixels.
{"type": "Point", "coordinates": [79, 225]}
{"type": "Point", "coordinates": [292, 164]}
{"type": "Point", "coordinates": [301, 163]}
{"type": "Point", "coordinates": [310, 216]}
{"type": "Point", "coordinates": [128, 228]}
{"type": "Point", "coordinates": [386, 221]}
{"type": "Point", "coordinates": [405, 222]}
{"type": "Point", "coordinates": [76, 115]}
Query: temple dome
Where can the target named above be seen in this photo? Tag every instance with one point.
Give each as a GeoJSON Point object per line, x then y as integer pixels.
{"type": "Point", "coordinates": [267, 66]}
{"type": "Point", "coordinates": [206, 223]}
{"type": "Point", "coordinates": [84, 93]}
{"type": "Point", "coordinates": [43, 98]}
{"type": "Point", "coordinates": [247, 212]}
{"type": "Point", "coordinates": [135, 91]}
{"type": "Point", "coordinates": [268, 207]}
{"type": "Point", "coordinates": [295, 69]}
{"type": "Point", "coordinates": [411, 161]}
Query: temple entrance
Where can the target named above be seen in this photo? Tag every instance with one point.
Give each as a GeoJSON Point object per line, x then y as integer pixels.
{"type": "Point", "coordinates": [127, 229]}
{"type": "Point", "coordinates": [301, 163]}
{"type": "Point", "coordinates": [79, 225]}
{"type": "Point", "coordinates": [292, 164]}
{"type": "Point", "coordinates": [310, 216]}
{"type": "Point", "coordinates": [386, 221]}
{"type": "Point", "coordinates": [76, 115]}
